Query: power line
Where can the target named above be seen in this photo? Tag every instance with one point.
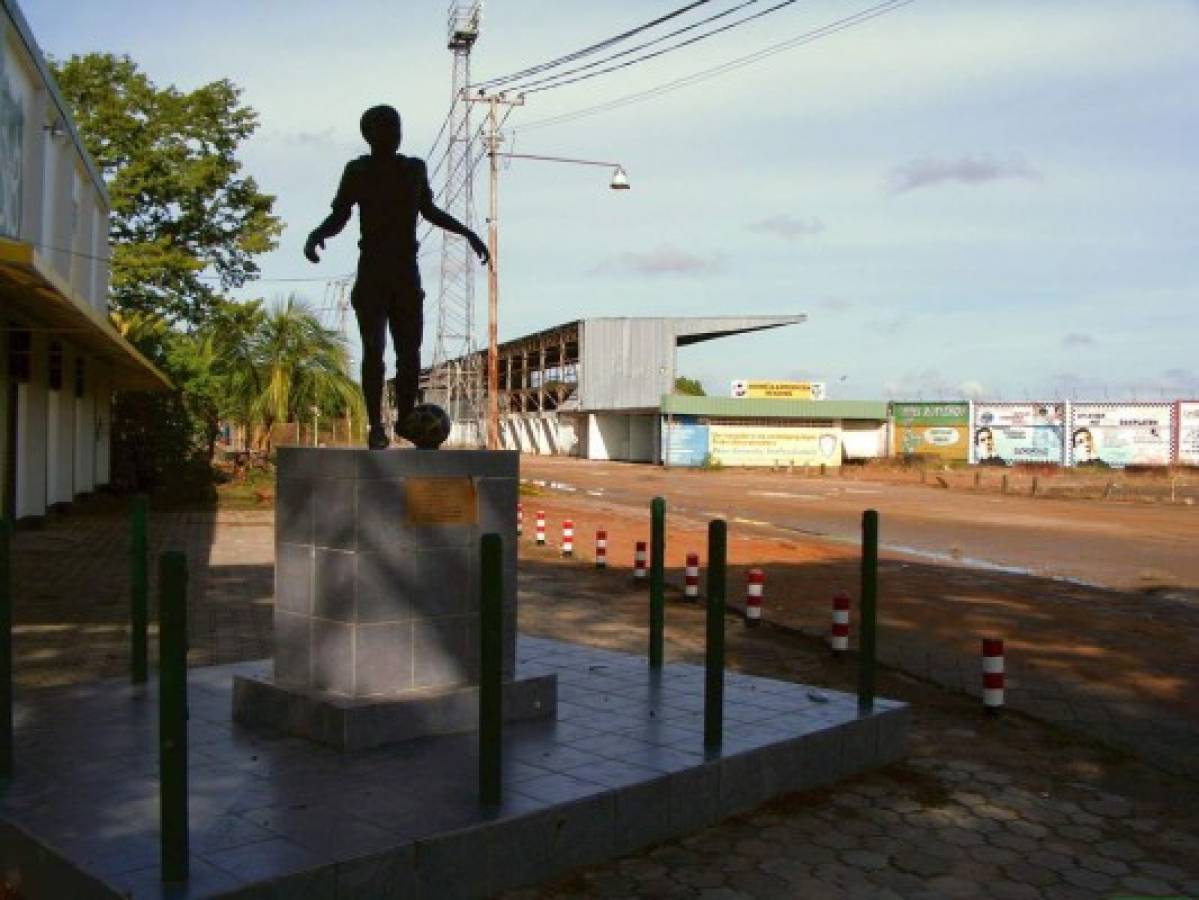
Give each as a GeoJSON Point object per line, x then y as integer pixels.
{"type": "Point", "coordinates": [552, 81]}
{"type": "Point", "coordinates": [602, 45]}
{"type": "Point", "coordinates": [705, 74]}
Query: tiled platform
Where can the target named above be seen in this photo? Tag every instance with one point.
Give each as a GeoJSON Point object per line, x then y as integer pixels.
{"type": "Point", "coordinates": [621, 767]}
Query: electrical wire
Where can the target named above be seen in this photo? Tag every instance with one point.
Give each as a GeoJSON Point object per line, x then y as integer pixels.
{"type": "Point", "coordinates": [531, 86]}
{"type": "Point", "coordinates": [807, 37]}
{"type": "Point", "coordinates": [577, 54]}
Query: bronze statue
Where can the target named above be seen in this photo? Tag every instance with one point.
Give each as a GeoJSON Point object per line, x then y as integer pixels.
{"type": "Point", "coordinates": [390, 189]}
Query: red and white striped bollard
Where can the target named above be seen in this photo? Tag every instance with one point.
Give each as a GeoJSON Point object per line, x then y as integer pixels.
{"type": "Point", "coordinates": [691, 578]}
{"type": "Point", "coordinates": [601, 549]}
{"type": "Point", "coordinates": [993, 670]}
{"type": "Point", "coordinates": [568, 537]}
{"type": "Point", "coordinates": [639, 554]}
{"type": "Point", "coordinates": [520, 520]}
{"type": "Point", "coordinates": [840, 635]}
{"type": "Point", "coordinates": [540, 528]}
{"type": "Point", "coordinates": [755, 582]}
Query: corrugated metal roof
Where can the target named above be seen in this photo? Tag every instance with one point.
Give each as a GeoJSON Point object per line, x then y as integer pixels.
{"type": "Point", "coordinates": [743, 408]}
{"type": "Point", "coordinates": [629, 362]}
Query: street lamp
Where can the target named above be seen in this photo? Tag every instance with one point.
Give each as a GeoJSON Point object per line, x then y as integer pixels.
{"type": "Point", "coordinates": [619, 182]}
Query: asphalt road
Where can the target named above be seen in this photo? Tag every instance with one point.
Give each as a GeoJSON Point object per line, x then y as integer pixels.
{"type": "Point", "coordinates": [1104, 543]}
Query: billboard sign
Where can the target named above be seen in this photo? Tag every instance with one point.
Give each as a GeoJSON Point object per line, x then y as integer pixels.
{"type": "Point", "coordinates": [1188, 432]}
{"type": "Point", "coordinates": [684, 442]}
{"type": "Point", "coordinates": [932, 429]}
{"type": "Point", "coordinates": [751, 445]}
{"type": "Point", "coordinates": [1121, 434]}
{"type": "Point", "coordinates": [779, 390]}
{"type": "Point", "coordinates": [1006, 433]}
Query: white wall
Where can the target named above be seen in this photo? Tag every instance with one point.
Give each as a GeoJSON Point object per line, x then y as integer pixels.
{"type": "Point", "coordinates": [85, 434]}
{"type": "Point", "coordinates": [864, 440]}
{"type": "Point", "coordinates": [31, 435]}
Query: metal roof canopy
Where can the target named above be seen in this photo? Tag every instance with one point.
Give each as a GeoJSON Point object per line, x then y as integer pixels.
{"type": "Point", "coordinates": [772, 408]}
{"type": "Point", "coordinates": [628, 363]}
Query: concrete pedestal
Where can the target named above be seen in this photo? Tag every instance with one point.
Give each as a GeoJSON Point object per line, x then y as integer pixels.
{"type": "Point", "coordinates": [377, 593]}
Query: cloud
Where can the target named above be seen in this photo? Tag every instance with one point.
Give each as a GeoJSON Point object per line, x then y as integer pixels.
{"type": "Point", "coordinates": [922, 173]}
{"type": "Point", "coordinates": [971, 389]}
{"type": "Point", "coordinates": [787, 227]}
{"type": "Point", "coordinates": [835, 304]}
{"type": "Point", "coordinates": [661, 261]}
{"type": "Point", "coordinates": [927, 384]}
{"type": "Point", "coordinates": [1075, 339]}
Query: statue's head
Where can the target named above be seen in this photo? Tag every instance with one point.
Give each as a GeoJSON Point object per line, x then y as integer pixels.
{"type": "Point", "coordinates": [382, 130]}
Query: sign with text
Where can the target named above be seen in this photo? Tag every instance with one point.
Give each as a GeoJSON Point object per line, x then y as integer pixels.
{"type": "Point", "coordinates": [1006, 433]}
{"type": "Point", "coordinates": [751, 445]}
{"type": "Point", "coordinates": [779, 390]}
{"type": "Point", "coordinates": [1121, 434]}
{"type": "Point", "coordinates": [441, 501]}
{"type": "Point", "coordinates": [1188, 432]}
{"type": "Point", "coordinates": [932, 429]}
{"type": "Point", "coordinates": [684, 442]}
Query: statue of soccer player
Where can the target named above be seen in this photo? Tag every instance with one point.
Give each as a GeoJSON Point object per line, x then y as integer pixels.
{"type": "Point", "coordinates": [389, 189]}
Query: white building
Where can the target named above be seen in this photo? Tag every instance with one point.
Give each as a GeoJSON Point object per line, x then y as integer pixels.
{"type": "Point", "coordinates": [60, 356]}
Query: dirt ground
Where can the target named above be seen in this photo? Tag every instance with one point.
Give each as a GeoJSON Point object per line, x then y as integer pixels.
{"type": "Point", "coordinates": [1131, 653]}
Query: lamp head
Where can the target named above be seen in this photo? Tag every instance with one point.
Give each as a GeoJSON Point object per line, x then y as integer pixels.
{"type": "Point", "coordinates": [620, 181]}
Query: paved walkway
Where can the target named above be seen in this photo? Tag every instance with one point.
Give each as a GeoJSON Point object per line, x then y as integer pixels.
{"type": "Point", "coordinates": [992, 808]}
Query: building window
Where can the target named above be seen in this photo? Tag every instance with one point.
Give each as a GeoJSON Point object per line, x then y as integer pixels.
{"type": "Point", "coordinates": [55, 370]}
{"type": "Point", "coordinates": [20, 355]}
{"type": "Point", "coordinates": [79, 376]}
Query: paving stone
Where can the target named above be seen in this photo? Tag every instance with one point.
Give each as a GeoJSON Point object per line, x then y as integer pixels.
{"type": "Point", "coordinates": [1084, 833]}
{"type": "Point", "coordinates": [1067, 892]}
{"type": "Point", "coordinates": [1156, 870]}
{"type": "Point", "coordinates": [699, 877]}
{"type": "Point", "coordinates": [952, 886]}
{"type": "Point", "coordinates": [1109, 806]}
{"type": "Point", "coordinates": [864, 859]}
{"type": "Point", "coordinates": [760, 885]}
{"type": "Point", "coordinates": [1091, 881]}
{"type": "Point", "coordinates": [1125, 851]}
{"type": "Point", "coordinates": [960, 837]}
{"type": "Point", "coordinates": [1010, 890]}
{"type": "Point", "coordinates": [994, 855]}
{"type": "Point", "coordinates": [1017, 842]}
{"type": "Point", "coordinates": [1149, 887]}
{"type": "Point", "coordinates": [921, 863]}
{"type": "Point", "coordinates": [1109, 866]}
{"type": "Point", "coordinates": [1029, 873]}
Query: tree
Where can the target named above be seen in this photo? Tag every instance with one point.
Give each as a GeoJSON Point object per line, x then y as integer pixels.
{"type": "Point", "coordinates": [689, 386]}
{"type": "Point", "coordinates": [182, 212]}
{"type": "Point", "coordinates": [300, 365]}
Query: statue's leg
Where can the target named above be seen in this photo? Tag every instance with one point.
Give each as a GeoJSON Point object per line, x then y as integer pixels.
{"type": "Point", "coordinates": [372, 328]}
{"type": "Point", "coordinates": [406, 319]}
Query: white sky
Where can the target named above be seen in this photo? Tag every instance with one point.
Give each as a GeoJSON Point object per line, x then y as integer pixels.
{"type": "Point", "coordinates": [995, 199]}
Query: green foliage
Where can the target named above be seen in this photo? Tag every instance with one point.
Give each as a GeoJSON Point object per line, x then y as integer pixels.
{"type": "Point", "coordinates": [249, 365]}
{"type": "Point", "coordinates": [689, 386]}
{"type": "Point", "coordinates": [180, 205]}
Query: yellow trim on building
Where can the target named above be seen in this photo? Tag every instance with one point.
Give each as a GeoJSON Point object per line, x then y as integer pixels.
{"type": "Point", "coordinates": [30, 286]}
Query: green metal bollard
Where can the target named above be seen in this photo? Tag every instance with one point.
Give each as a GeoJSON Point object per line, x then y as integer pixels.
{"type": "Point", "coordinates": [657, 581]}
{"type": "Point", "coordinates": [139, 587]}
{"type": "Point", "coordinates": [6, 719]}
{"type": "Point", "coordinates": [869, 603]}
{"type": "Point", "coordinates": [491, 670]}
{"type": "Point", "coordinates": [172, 713]}
{"type": "Point", "coordinates": [714, 646]}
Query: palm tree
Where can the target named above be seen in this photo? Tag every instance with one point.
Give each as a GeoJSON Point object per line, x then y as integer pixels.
{"type": "Point", "coordinates": [299, 365]}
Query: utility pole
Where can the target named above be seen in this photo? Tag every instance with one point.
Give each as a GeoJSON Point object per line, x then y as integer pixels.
{"type": "Point", "coordinates": [456, 380]}
{"type": "Point", "coordinates": [492, 140]}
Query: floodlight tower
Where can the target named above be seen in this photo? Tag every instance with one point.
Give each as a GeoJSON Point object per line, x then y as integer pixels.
{"type": "Point", "coordinates": [457, 369]}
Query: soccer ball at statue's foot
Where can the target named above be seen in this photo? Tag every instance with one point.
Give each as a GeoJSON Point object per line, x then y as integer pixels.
{"type": "Point", "coordinates": [427, 426]}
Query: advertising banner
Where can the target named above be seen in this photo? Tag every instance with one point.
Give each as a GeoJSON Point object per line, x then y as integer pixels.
{"type": "Point", "coordinates": [932, 429]}
{"type": "Point", "coordinates": [1188, 432]}
{"type": "Point", "coordinates": [1121, 434]}
{"type": "Point", "coordinates": [684, 442]}
{"type": "Point", "coordinates": [779, 390]}
{"type": "Point", "coordinates": [750, 445]}
{"type": "Point", "coordinates": [1005, 433]}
